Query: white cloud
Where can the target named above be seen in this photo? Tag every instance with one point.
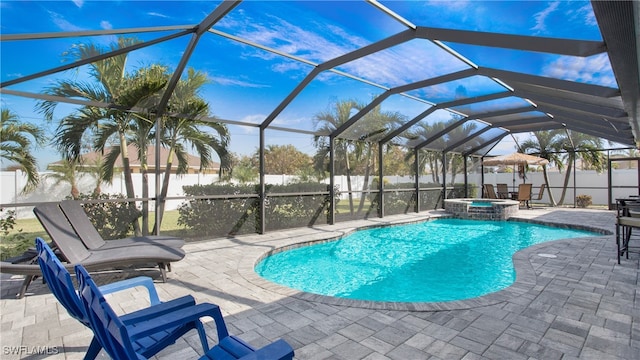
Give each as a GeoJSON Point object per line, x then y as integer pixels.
{"type": "Point", "coordinates": [62, 23]}
{"type": "Point", "coordinates": [254, 119]}
{"type": "Point", "coordinates": [588, 15]}
{"type": "Point", "coordinates": [106, 25]}
{"type": "Point", "coordinates": [319, 42]}
{"type": "Point", "coordinates": [78, 3]}
{"type": "Point", "coordinates": [458, 5]}
{"type": "Point", "coordinates": [592, 70]}
{"type": "Point", "coordinates": [541, 17]}
{"type": "Point", "coordinates": [235, 82]}
{"type": "Point", "coordinates": [157, 15]}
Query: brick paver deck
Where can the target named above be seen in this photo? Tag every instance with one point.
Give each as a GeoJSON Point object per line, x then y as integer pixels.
{"type": "Point", "coordinates": [578, 303]}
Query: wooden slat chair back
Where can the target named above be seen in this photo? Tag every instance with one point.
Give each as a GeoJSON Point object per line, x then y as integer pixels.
{"type": "Point", "coordinates": [489, 191]}
{"type": "Point", "coordinates": [524, 194]}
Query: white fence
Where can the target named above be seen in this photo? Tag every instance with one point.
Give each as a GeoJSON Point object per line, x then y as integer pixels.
{"type": "Point", "coordinates": [587, 182]}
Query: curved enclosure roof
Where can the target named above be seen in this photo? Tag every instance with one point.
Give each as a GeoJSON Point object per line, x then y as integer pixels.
{"type": "Point", "coordinates": [458, 76]}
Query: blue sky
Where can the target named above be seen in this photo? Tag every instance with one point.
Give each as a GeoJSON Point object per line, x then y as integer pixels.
{"type": "Point", "coordinates": [247, 83]}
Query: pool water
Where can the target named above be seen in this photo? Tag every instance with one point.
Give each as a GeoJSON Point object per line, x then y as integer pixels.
{"type": "Point", "coordinates": [481, 204]}
{"type": "Point", "coordinates": [440, 260]}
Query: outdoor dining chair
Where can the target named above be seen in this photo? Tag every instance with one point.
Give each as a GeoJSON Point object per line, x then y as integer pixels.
{"type": "Point", "coordinates": [489, 192]}
{"type": "Point", "coordinates": [627, 219]}
{"type": "Point", "coordinates": [524, 194]}
{"type": "Point", "coordinates": [540, 193]}
{"type": "Point", "coordinates": [503, 191]}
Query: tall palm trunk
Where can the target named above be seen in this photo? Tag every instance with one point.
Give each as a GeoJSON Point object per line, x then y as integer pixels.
{"type": "Point", "coordinates": [365, 186]}
{"type": "Point", "coordinates": [145, 192]}
{"type": "Point", "coordinates": [567, 175]}
{"type": "Point", "coordinates": [349, 187]}
{"type": "Point", "coordinates": [128, 180]}
{"type": "Point", "coordinates": [75, 193]}
{"type": "Point", "coordinates": [552, 200]}
{"type": "Point", "coordinates": [165, 188]}
{"type": "Point", "coordinates": [434, 171]}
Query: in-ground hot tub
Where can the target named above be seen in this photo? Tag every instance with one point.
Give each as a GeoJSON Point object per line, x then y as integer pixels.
{"type": "Point", "coordinates": [482, 209]}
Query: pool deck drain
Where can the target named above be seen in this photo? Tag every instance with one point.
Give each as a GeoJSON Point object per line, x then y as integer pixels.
{"type": "Point", "coordinates": [582, 305]}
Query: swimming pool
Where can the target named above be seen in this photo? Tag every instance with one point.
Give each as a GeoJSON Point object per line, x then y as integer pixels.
{"type": "Point", "coordinates": [433, 261]}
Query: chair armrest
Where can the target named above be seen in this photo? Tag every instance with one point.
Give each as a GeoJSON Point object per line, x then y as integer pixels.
{"type": "Point", "coordinates": [154, 311]}
{"type": "Point", "coordinates": [143, 281]}
{"type": "Point", "coordinates": [279, 350]}
{"type": "Point", "coordinates": [178, 318]}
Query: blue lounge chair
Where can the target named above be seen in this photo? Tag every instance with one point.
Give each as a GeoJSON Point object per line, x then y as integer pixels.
{"type": "Point", "coordinates": [59, 281]}
{"type": "Point", "coordinates": [118, 338]}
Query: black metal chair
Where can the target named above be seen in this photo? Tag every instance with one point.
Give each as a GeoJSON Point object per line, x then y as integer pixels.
{"type": "Point", "coordinates": [627, 219]}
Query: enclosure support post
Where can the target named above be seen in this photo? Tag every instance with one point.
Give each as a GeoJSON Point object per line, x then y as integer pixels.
{"type": "Point", "coordinates": [575, 190]}
{"type": "Point", "coordinates": [332, 183]}
{"type": "Point", "coordinates": [444, 178]}
{"type": "Point", "coordinates": [466, 179]}
{"type": "Point", "coordinates": [380, 183]}
{"type": "Point", "coordinates": [262, 194]}
{"type": "Point", "coordinates": [482, 177]}
{"type": "Point", "coordinates": [416, 165]}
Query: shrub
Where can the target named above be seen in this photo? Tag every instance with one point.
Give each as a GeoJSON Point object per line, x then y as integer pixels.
{"type": "Point", "coordinates": [583, 201]}
{"type": "Point", "coordinates": [12, 244]}
{"type": "Point", "coordinates": [238, 215]}
{"type": "Point", "coordinates": [113, 220]}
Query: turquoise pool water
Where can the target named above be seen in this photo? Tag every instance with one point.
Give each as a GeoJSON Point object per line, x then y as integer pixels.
{"type": "Point", "coordinates": [440, 260]}
{"type": "Point", "coordinates": [481, 204]}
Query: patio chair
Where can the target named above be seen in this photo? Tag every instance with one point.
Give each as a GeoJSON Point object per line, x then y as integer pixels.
{"type": "Point", "coordinates": [489, 191]}
{"type": "Point", "coordinates": [118, 337]}
{"type": "Point", "coordinates": [627, 219]}
{"type": "Point", "coordinates": [524, 194]}
{"type": "Point", "coordinates": [82, 225]}
{"type": "Point", "coordinates": [74, 251]}
{"type": "Point", "coordinates": [540, 193]}
{"type": "Point", "coordinates": [503, 191]}
{"type": "Point", "coordinates": [59, 281]}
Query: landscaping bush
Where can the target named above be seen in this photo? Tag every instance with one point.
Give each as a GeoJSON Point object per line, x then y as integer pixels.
{"type": "Point", "coordinates": [113, 220]}
{"type": "Point", "coordinates": [12, 244]}
{"type": "Point", "coordinates": [220, 217]}
{"type": "Point", "coordinates": [583, 201]}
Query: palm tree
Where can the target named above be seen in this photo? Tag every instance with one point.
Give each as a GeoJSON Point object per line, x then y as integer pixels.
{"type": "Point", "coordinates": [583, 147]}
{"type": "Point", "coordinates": [428, 158]}
{"type": "Point", "coordinates": [328, 122]}
{"type": "Point", "coordinates": [95, 170]}
{"type": "Point", "coordinates": [546, 144]}
{"type": "Point", "coordinates": [112, 86]}
{"type": "Point", "coordinates": [457, 160]}
{"type": "Point", "coordinates": [16, 142]}
{"type": "Point", "coordinates": [374, 124]}
{"type": "Point", "coordinates": [206, 137]}
{"type": "Point", "coordinates": [66, 171]}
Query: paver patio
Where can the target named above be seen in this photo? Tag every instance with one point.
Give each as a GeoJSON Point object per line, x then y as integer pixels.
{"type": "Point", "coordinates": [578, 304]}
